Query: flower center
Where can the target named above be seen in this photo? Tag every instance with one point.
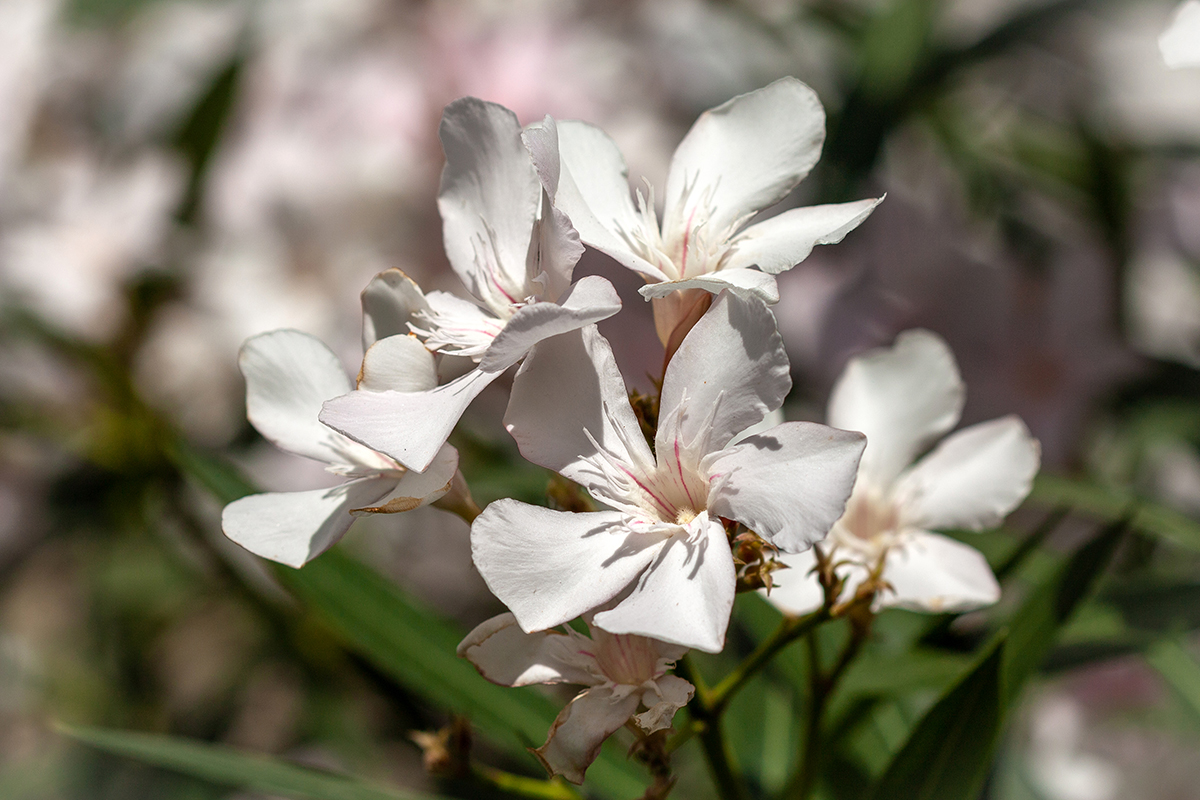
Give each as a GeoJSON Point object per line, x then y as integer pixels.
{"type": "Point", "coordinates": [626, 659]}
{"type": "Point", "coordinates": [869, 517]}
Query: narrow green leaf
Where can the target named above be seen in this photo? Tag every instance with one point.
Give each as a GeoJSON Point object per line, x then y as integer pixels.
{"type": "Point", "coordinates": [228, 767]}
{"type": "Point", "coordinates": [415, 646]}
{"type": "Point", "coordinates": [947, 756]}
{"type": "Point", "coordinates": [1159, 607]}
{"type": "Point", "coordinates": [1032, 631]}
{"type": "Point", "coordinates": [1111, 504]}
{"type": "Point", "coordinates": [885, 673]}
{"type": "Point", "coordinates": [1180, 670]}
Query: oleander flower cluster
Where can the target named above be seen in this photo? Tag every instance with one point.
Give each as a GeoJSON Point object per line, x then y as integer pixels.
{"type": "Point", "coordinates": [686, 498]}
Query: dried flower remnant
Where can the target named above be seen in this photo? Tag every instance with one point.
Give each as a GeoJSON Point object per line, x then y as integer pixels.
{"type": "Point", "coordinates": [622, 673]}
{"type": "Point", "coordinates": [904, 398]}
{"type": "Point", "coordinates": [662, 548]}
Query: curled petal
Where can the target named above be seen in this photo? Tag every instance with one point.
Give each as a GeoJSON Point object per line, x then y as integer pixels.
{"type": "Point", "coordinates": [415, 489]}
{"type": "Point", "coordinates": [740, 281]}
{"type": "Point", "coordinates": [902, 397]}
{"type": "Point", "coordinates": [411, 427]}
{"type": "Point", "coordinates": [789, 484]}
{"type": "Point", "coordinates": [783, 241]}
{"type": "Point", "coordinates": [389, 303]}
{"type": "Point", "coordinates": [296, 527]}
{"type": "Point", "coordinates": [506, 655]}
{"type": "Point", "coordinates": [731, 368]}
{"type": "Point", "coordinates": [398, 362]}
{"type": "Point", "coordinates": [746, 154]}
{"type": "Point", "coordinates": [686, 595]}
{"type": "Point", "coordinates": [581, 728]}
{"type": "Point", "coordinates": [549, 567]}
{"type": "Point", "coordinates": [937, 574]}
{"type": "Point", "coordinates": [670, 694]}
{"type": "Point", "coordinates": [973, 478]}
{"type": "Point", "coordinates": [589, 300]}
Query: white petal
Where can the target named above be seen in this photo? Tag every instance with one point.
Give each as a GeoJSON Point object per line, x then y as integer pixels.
{"type": "Point", "coordinates": [488, 199]}
{"type": "Point", "coordinates": [295, 527]}
{"type": "Point", "coordinates": [732, 362]}
{"type": "Point", "coordinates": [580, 730]}
{"type": "Point", "coordinates": [288, 376]}
{"type": "Point", "coordinates": [973, 478]}
{"type": "Point", "coordinates": [1180, 43]}
{"type": "Point", "coordinates": [506, 655]}
{"type": "Point", "coordinates": [411, 427]}
{"type": "Point", "coordinates": [569, 384]}
{"type": "Point", "coordinates": [388, 303]}
{"type": "Point", "coordinates": [796, 590]}
{"type": "Point", "coordinates": [416, 489]}
{"type": "Point", "coordinates": [742, 282]}
{"type": "Point", "coordinates": [902, 397]}
{"type": "Point", "coordinates": [745, 155]}
{"type": "Point", "coordinates": [593, 190]}
{"type": "Point", "coordinates": [937, 574]}
{"type": "Point", "coordinates": [549, 567]}
{"type": "Point", "coordinates": [456, 326]}
{"type": "Point", "coordinates": [671, 694]}
{"type": "Point", "coordinates": [686, 595]}
{"type": "Point", "coordinates": [789, 485]}
{"type": "Point", "coordinates": [557, 251]}
{"type": "Point", "coordinates": [559, 247]}
{"type": "Point", "coordinates": [541, 140]}
{"type": "Point", "coordinates": [589, 300]}
{"type": "Point", "coordinates": [783, 241]}
{"type": "Point", "coordinates": [400, 363]}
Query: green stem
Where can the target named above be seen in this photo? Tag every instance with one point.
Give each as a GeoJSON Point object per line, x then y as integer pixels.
{"type": "Point", "coordinates": [822, 687]}
{"type": "Point", "coordinates": [522, 786]}
{"type": "Point", "coordinates": [720, 761]}
{"type": "Point", "coordinates": [791, 629]}
{"type": "Point", "coordinates": [707, 725]}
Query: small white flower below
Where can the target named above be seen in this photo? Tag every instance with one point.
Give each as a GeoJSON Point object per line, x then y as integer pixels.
{"type": "Point", "coordinates": [622, 673]}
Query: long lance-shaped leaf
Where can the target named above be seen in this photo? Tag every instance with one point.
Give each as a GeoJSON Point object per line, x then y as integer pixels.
{"type": "Point", "coordinates": [228, 767]}
{"type": "Point", "coordinates": [947, 755]}
{"type": "Point", "coordinates": [1035, 626]}
{"type": "Point", "coordinates": [1180, 670]}
{"type": "Point", "coordinates": [414, 646]}
{"type": "Point", "coordinates": [1111, 504]}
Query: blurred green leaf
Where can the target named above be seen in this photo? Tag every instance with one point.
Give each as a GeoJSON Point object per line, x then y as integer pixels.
{"type": "Point", "coordinates": [885, 673]}
{"type": "Point", "coordinates": [1034, 628]}
{"type": "Point", "coordinates": [1156, 606]}
{"type": "Point", "coordinates": [225, 766]}
{"type": "Point", "coordinates": [1110, 503]}
{"type": "Point", "coordinates": [1180, 670]}
{"type": "Point", "coordinates": [948, 754]}
{"type": "Point", "coordinates": [413, 645]}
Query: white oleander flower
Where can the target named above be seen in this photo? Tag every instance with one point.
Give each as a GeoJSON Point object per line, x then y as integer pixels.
{"type": "Point", "coordinates": [622, 673]}
{"type": "Point", "coordinates": [662, 548]}
{"type": "Point", "coordinates": [904, 398]}
{"type": "Point", "coordinates": [739, 158]}
{"type": "Point", "coordinates": [289, 375]}
{"type": "Point", "coordinates": [1180, 42]}
{"type": "Point", "coordinates": [514, 252]}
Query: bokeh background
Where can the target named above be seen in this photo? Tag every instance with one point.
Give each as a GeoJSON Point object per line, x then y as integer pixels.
{"type": "Point", "coordinates": [177, 175]}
